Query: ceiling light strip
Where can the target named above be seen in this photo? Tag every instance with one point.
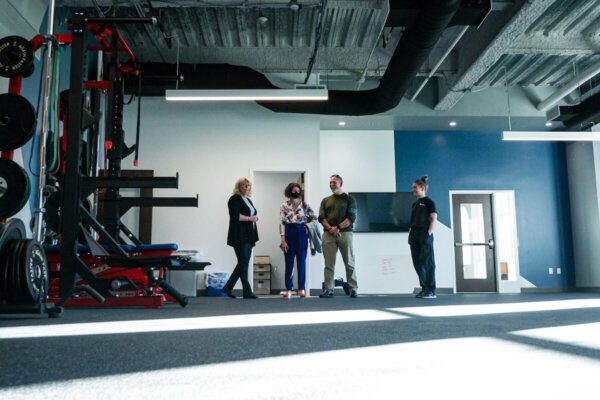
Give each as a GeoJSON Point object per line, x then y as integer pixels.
{"type": "Point", "coordinates": [248, 95]}
{"type": "Point", "coordinates": [555, 136]}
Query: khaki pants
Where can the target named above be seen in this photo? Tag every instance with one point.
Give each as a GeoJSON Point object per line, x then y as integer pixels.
{"type": "Point", "coordinates": [331, 244]}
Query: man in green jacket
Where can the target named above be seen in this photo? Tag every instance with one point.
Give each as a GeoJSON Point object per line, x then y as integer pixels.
{"type": "Point", "coordinates": [337, 215]}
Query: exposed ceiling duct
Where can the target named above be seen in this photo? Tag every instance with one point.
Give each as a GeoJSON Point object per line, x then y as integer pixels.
{"type": "Point", "coordinates": [422, 24]}
{"type": "Point", "coordinates": [581, 116]}
{"type": "Point", "coordinates": [411, 52]}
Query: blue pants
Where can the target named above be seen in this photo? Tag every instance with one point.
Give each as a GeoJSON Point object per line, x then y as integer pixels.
{"type": "Point", "coordinates": [297, 241]}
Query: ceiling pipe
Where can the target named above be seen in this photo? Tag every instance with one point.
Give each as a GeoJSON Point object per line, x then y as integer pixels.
{"type": "Point", "coordinates": [586, 114]}
{"type": "Point", "coordinates": [564, 91]}
{"type": "Point", "coordinates": [410, 54]}
{"type": "Point", "coordinates": [440, 61]}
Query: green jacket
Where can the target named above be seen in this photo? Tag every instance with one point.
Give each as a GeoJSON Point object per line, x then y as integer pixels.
{"type": "Point", "coordinates": [336, 208]}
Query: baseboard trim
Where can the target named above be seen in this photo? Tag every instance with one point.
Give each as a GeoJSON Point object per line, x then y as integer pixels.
{"type": "Point", "coordinates": [586, 289]}
{"type": "Point", "coordinates": [545, 290]}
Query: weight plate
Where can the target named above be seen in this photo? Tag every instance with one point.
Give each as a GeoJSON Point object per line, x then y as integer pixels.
{"type": "Point", "coordinates": [16, 56]}
{"type": "Point", "coordinates": [8, 272]}
{"type": "Point", "coordinates": [14, 289]}
{"type": "Point", "coordinates": [17, 121]}
{"type": "Point", "coordinates": [3, 272]}
{"type": "Point", "coordinates": [14, 229]}
{"type": "Point", "coordinates": [14, 188]}
{"type": "Point", "coordinates": [34, 271]}
{"type": "Point", "coordinates": [29, 71]}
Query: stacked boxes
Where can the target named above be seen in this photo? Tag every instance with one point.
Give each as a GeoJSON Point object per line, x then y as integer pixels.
{"type": "Point", "coordinates": [262, 275]}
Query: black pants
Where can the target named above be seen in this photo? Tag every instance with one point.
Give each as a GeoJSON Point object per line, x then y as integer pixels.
{"type": "Point", "coordinates": [243, 252]}
{"type": "Point", "coordinates": [421, 250]}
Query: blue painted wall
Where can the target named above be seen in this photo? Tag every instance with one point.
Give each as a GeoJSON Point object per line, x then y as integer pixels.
{"type": "Point", "coordinates": [536, 171]}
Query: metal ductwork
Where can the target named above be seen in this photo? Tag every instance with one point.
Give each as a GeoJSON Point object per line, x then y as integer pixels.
{"type": "Point", "coordinates": [411, 52]}
{"type": "Point", "coordinates": [421, 35]}
{"type": "Point", "coordinates": [158, 77]}
{"type": "Point", "coordinates": [581, 116]}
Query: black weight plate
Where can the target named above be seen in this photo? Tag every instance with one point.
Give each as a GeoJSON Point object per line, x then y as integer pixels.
{"type": "Point", "coordinates": [29, 71]}
{"type": "Point", "coordinates": [17, 121]}
{"type": "Point", "coordinates": [34, 271]}
{"type": "Point", "coordinates": [14, 289]}
{"type": "Point", "coordinates": [13, 230]}
{"type": "Point", "coordinates": [9, 253]}
{"type": "Point", "coordinates": [16, 56]}
{"type": "Point", "coordinates": [14, 188]}
{"type": "Point", "coordinates": [3, 273]}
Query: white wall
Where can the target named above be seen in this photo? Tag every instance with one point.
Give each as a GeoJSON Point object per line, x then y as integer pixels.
{"type": "Point", "coordinates": [211, 145]}
{"type": "Point", "coordinates": [584, 184]}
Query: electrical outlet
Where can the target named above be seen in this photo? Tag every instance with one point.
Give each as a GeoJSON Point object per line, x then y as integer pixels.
{"type": "Point", "coordinates": [558, 270]}
{"type": "Point", "coordinates": [551, 270]}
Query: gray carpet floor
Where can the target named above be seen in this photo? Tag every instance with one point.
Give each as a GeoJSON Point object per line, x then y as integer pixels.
{"type": "Point", "coordinates": [470, 346]}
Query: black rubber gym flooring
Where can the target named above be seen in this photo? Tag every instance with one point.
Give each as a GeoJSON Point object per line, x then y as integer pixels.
{"type": "Point", "coordinates": [309, 348]}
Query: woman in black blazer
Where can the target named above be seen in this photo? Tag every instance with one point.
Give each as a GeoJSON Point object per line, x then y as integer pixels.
{"type": "Point", "coordinates": [242, 235]}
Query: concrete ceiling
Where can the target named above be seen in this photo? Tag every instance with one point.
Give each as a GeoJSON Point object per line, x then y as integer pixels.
{"type": "Point", "coordinates": [528, 49]}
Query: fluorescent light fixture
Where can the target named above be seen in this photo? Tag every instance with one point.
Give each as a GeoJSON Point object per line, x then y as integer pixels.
{"type": "Point", "coordinates": [342, 123]}
{"type": "Point", "coordinates": [543, 136]}
{"type": "Point", "coordinates": [247, 95]}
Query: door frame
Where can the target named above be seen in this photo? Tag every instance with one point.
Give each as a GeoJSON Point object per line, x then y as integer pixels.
{"type": "Point", "coordinates": [306, 189]}
{"type": "Point", "coordinates": [502, 286]}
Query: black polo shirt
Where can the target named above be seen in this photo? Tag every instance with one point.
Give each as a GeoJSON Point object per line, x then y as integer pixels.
{"type": "Point", "coordinates": [420, 217]}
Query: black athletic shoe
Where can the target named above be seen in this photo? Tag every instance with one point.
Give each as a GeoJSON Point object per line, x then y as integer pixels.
{"type": "Point", "coordinates": [429, 295]}
{"type": "Point", "coordinates": [353, 294]}
{"type": "Point", "coordinates": [250, 296]}
{"type": "Point", "coordinates": [420, 294]}
{"type": "Point", "coordinates": [328, 294]}
{"type": "Point", "coordinates": [228, 293]}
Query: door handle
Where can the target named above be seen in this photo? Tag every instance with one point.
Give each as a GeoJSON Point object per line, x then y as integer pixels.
{"type": "Point", "coordinates": [490, 244]}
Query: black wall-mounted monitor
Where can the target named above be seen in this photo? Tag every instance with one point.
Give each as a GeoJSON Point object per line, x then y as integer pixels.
{"type": "Point", "coordinates": [383, 212]}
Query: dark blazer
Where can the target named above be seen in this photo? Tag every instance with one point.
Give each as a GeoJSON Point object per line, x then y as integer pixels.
{"type": "Point", "coordinates": [240, 231]}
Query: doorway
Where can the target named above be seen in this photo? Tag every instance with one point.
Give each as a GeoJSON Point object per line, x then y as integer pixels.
{"type": "Point", "coordinates": [474, 244]}
{"type": "Point", "coordinates": [267, 195]}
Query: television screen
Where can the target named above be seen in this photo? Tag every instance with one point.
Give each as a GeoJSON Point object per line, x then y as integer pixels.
{"type": "Point", "coordinates": [383, 212]}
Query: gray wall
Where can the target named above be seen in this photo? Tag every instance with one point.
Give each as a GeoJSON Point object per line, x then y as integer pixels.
{"type": "Point", "coordinates": [582, 162]}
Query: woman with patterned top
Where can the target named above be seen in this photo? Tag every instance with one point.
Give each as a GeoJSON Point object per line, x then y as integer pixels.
{"type": "Point", "coordinates": [295, 213]}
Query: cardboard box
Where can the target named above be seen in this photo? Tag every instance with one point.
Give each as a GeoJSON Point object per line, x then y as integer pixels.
{"type": "Point", "coordinates": [262, 267]}
{"type": "Point", "coordinates": [262, 286]}
{"type": "Point", "coordinates": [262, 275]}
{"type": "Point", "coordinates": [262, 260]}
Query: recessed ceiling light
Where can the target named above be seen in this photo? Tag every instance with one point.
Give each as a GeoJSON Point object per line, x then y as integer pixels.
{"type": "Point", "coordinates": [452, 123]}
{"type": "Point", "coordinates": [342, 123]}
{"type": "Point", "coordinates": [548, 123]}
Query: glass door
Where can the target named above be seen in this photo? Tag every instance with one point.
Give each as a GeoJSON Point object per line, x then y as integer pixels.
{"type": "Point", "coordinates": [474, 247]}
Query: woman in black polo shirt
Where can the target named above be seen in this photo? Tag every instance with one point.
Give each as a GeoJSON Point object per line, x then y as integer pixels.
{"type": "Point", "coordinates": [420, 238]}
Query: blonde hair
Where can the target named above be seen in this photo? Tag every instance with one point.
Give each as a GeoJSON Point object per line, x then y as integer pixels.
{"type": "Point", "coordinates": [238, 184]}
